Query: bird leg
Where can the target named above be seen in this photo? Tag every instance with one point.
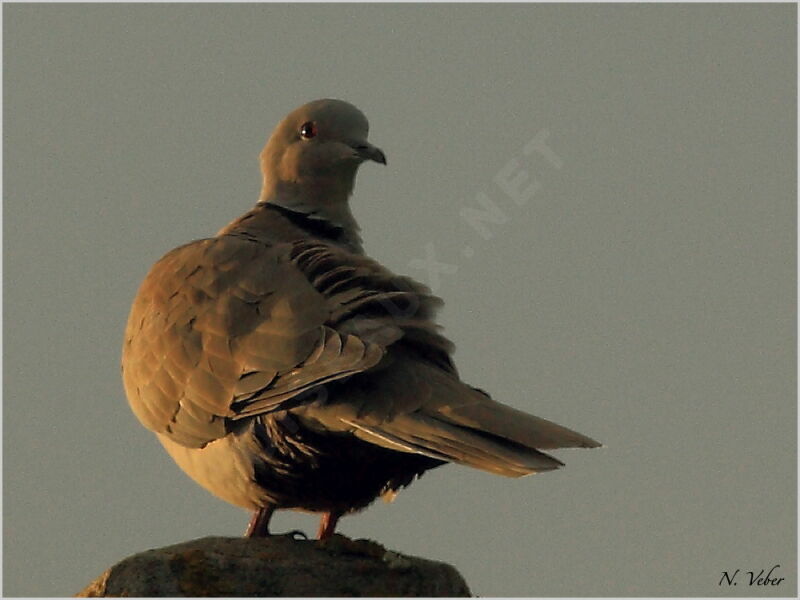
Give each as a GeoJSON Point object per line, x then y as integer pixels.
{"type": "Point", "coordinates": [259, 523]}
{"type": "Point", "coordinates": [328, 524]}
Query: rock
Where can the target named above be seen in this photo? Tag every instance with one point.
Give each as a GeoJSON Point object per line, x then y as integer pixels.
{"type": "Point", "coordinates": [276, 566]}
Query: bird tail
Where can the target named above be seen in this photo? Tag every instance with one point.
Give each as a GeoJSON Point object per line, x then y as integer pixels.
{"type": "Point", "coordinates": [481, 413]}
{"type": "Point", "coordinates": [422, 434]}
{"type": "Point", "coordinates": [476, 431]}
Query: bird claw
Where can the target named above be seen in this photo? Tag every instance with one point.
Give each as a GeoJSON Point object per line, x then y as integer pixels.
{"type": "Point", "coordinates": [296, 534]}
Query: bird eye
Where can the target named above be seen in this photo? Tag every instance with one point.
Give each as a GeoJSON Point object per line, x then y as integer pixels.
{"type": "Point", "coordinates": [308, 130]}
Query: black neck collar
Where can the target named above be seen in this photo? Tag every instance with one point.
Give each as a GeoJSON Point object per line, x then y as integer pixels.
{"type": "Point", "coordinates": [317, 227]}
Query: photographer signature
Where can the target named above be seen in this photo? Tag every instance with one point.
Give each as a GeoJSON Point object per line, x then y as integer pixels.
{"type": "Point", "coordinates": [753, 578]}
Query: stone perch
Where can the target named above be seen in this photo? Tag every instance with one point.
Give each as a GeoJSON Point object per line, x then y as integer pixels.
{"type": "Point", "coordinates": [276, 566]}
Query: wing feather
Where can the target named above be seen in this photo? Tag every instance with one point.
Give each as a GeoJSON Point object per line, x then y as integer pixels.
{"type": "Point", "coordinates": [230, 327]}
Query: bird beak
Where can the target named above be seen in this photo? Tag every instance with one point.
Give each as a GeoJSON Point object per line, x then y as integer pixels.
{"type": "Point", "coordinates": [367, 151]}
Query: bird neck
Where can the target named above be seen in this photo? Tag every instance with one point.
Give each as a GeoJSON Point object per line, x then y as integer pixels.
{"type": "Point", "coordinates": [323, 199]}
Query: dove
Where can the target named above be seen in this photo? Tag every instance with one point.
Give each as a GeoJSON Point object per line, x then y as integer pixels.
{"type": "Point", "coordinates": [282, 368]}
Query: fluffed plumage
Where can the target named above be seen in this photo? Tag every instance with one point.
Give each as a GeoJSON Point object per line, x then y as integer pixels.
{"type": "Point", "coordinates": [282, 368]}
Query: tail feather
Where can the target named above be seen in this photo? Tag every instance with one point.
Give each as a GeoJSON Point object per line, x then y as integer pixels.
{"type": "Point", "coordinates": [423, 434]}
{"type": "Point", "coordinates": [419, 408]}
{"type": "Point", "coordinates": [482, 413]}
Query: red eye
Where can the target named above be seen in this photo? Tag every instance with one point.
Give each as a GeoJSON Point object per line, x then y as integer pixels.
{"type": "Point", "coordinates": [308, 130]}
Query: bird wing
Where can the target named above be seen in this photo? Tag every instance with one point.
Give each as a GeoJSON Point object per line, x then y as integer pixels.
{"type": "Point", "coordinates": [410, 405]}
{"type": "Point", "coordinates": [231, 327]}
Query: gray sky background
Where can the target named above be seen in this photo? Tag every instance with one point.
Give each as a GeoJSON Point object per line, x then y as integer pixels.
{"type": "Point", "coordinates": [644, 296]}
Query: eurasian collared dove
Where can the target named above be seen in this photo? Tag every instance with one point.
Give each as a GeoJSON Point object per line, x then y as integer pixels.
{"type": "Point", "coordinates": [280, 367]}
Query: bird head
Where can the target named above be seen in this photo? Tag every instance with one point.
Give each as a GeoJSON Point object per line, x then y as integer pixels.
{"type": "Point", "coordinates": [311, 158]}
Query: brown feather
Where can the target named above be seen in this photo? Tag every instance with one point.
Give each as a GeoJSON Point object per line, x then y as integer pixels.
{"type": "Point", "coordinates": [280, 366]}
